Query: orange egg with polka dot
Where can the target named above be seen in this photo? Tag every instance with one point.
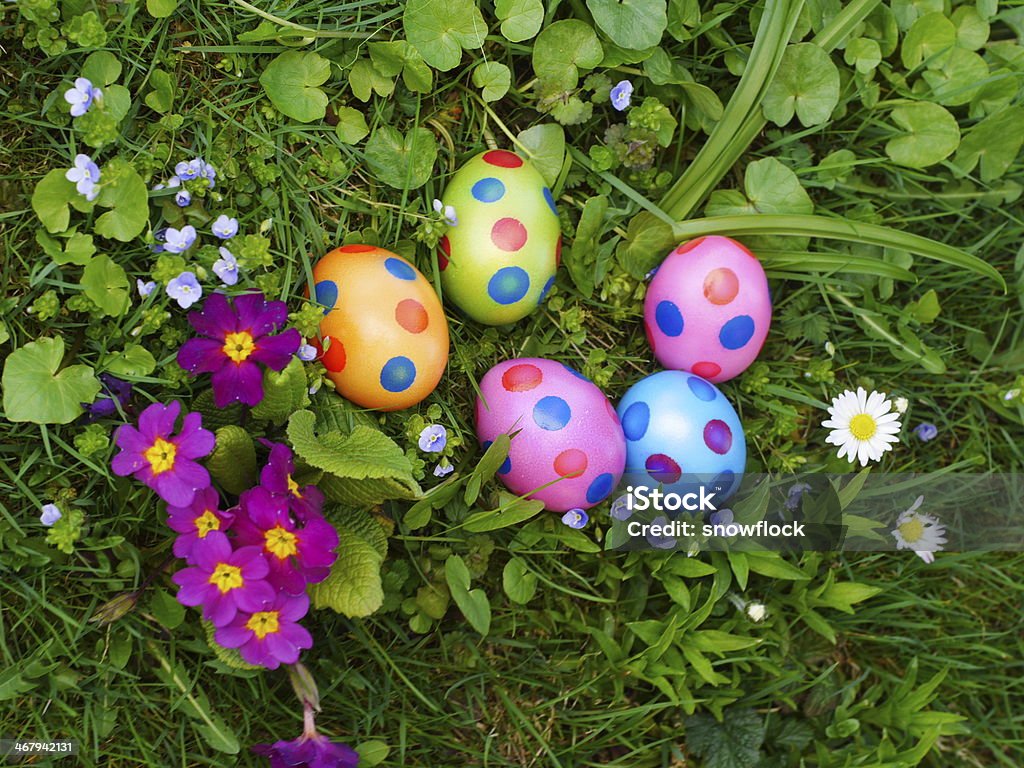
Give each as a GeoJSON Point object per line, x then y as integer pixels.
{"type": "Point", "coordinates": [384, 336]}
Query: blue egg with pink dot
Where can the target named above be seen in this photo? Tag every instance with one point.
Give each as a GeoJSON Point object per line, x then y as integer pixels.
{"type": "Point", "coordinates": [681, 432]}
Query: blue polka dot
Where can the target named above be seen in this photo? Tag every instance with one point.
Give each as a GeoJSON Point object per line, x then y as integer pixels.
{"type": "Point", "coordinates": [400, 269]}
{"type": "Point", "coordinates": [398, 374]}
{"type": "Point", "coordinates": [701, 389]}
{"type": "Point", "coordinates": [547, 288]}
{"type": "Point", "coordinates": [600, 488]}
{"type": "Point", "coordinates": [508, 285]}
{"type": "Point", "coordinates": [550, 200]}
{"type": "Point", "coordinates": [488, 190]}
{"type": "Point", "coordinates": [576, 373]}
{"type": "Point", "coordinates": [669, 319]}
{"type": "Point", "coordinates": [635, 420]}
{"type": "Point", "coordinates": [551, 413]}
{"type": "Point", "coordinates": [737, 332]}
{"type": "Point", "coordinates": [327, 294]}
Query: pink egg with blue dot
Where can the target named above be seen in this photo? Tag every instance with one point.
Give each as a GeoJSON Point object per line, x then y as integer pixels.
{"type": "Point", "coordinates": [567, 448]}
{"type": "Point", "coordinates": [708, 309]}
{"type": "Point", "coordinates": [681, 431]}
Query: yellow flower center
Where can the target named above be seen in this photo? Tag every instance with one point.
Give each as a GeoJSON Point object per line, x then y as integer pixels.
{"type": "Point", "coordinates": [912, 530]}
{"type": "Point", "coordinates": [207, 522]}
{"type": "Point", "coordinates": [227, 577]}
{"type": "Point", "coordinates": [293, 488]}
{"type": "Point", "coordinates": [263, 623]}
{"type": "Point", "coordinates": [863, 426]}
{"type": "Point", "coordinates": [161, 456]}
{"type": "Point", "coordinates": [280, 542]}
{"type": "Point", "coordinates": [238, 346]}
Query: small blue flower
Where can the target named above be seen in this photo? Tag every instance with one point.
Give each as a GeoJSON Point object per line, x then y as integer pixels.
{"type": "Point", "coordinates": [795, 493]}
{"type": "Point", "coordinates": [448, 211]}
{"type": "Point", "coordinates": [621, 93]}
{"type": "Point", "coordinates": [441, 470]}
{"type": "Point", "coordinates": [81, 96]}
{"type": "Point", "coordinates": [85, 175]}
{"type": "Point", "coordinates": [575, 518]}
{"type": "Point", "coordinates": [183, 198]}
{"type": "Point", "coordinates": [926, 432]}
{"type": "Point", "coordinates": [51, 514]}
{"type": "Point", "coordinates": [660, 542]}
{"type": "Point", "coordinates": [306, 353]}
{"type": "Point", "coordinates": [145, 288]}
{"type": "Point", "coordinates": [209, 173]}
{"type": "Point", "coordinates": [193, 169]}
{"type": "Point", "coordinates": [226, 267]}
{"type": "Point", "coordinates": [185, 289]}
{"type": "Point", "coordinates": [225, 228]}
{"type": "Point", "coordinates": [179, 240]}
{"type": "Point", "coordinates": [620, 508]}
{"type": "Point", "coordinates": [433, 438]}
{"type": "Point", "coordinates": [721, 517]}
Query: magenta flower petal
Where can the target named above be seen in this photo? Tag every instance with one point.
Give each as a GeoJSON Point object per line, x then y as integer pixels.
{"type": "Point", "coordinates": [201, 355]}
{"type": "Point", "coordinates": [216, 319]}
{"type": "Point", "coordinates": [220, 610]}
{"type": "Point", "coordinates": [295, 607]}
{"type": "Point", "coordinates": [232, 635]}
{"type": "Point", "coordinates": [281, 648]}
{"type": "Point", "coordinates": [258, 315]}
{"type": "Point", "coordinates": [193, 441]}
{"type": "Point", "coordinates": [178, 487]}
{"type": "Point", "coordinates": [158, 420]}
{"type": "Point", "coordinates": [214, 549]}
{"type": "Point", "coordinates": [243, 383]}
{"type": "Point", "coordinates": [277, 351]}
{"type": "Point", "coordinates": [254, 596]}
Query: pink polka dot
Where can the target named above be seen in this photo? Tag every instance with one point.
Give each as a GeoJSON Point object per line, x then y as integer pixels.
{"type": "Point", "coordinates": [411, 315]}
{"type": "Point", "coordinates": [717, 436]}
{"type": "Point", "coordinates": [521, 378]}
{"type": "Point", "coordinates": [508, 234]}
{"type": "Point", "coordinates": [503, 158]}
{"type": "Point", "coordinates": [690, 245]}
{"type": "Point", "coordinates": [334, 358]}
{"type": "Point", "coordinates": [571, 463]}
{"type": "Point", "coordinates": [357, 248]}
{"type": "Point", "coordinates": [444, 252]}
{"type": "Point", "coordinates": [721, 286]}
{"type": "Point", "coordinates": [707, 370]}
{"type": "Point", "coordinates": [663, 468]}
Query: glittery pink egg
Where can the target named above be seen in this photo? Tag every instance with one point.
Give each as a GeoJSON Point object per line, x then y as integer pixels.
{"type": "Point", "coordinates": [569, 450]}
{"type": "Point", "coordinates": [708, 309]}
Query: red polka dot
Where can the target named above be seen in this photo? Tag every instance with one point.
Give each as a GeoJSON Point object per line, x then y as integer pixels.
{"type": "Point", "coordinates": [503, 158]}
{"type": "Point", "coordinates": [717, 436]}
{"type": "Point", "coordinates": [508, 234]}
{"type": "Point", "coordinates": [558, 251]}
{"type": "Point", "coordinates": [571, 463]}
{"type": "Point", "coordinates": [721, 286]}
{"type": "Point", "coordinates": [690, 245]}
{"type": "Point", "coordinates": [521, 378]}
{"type": "Point", "coordinates": [444, 252]}
{"type": "Point", "coordinates": [356, 248]}
{"type": "Point", "coordinates": [411, 315]}
{"type": "Point", "coordinates": [334, 358]}
{"type": "Point", "coordinates": [707, 370]}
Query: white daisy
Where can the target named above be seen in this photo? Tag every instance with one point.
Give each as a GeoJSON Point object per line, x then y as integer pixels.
{"type": "Point", "coordinates": [863, 426]}
{"type": "Point", "coordinates": [920, 532]}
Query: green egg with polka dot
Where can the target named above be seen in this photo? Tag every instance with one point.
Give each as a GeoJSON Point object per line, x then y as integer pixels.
{"type": "Point", "coordinates": [498, 262]}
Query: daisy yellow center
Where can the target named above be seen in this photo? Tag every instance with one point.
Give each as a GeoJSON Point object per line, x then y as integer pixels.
{"type": "Point", "coordinates": [281, 542]}
{"type": "Point", "coordinates": [238, 346]}
{"type": "Point", "coordinates": [863, 426]}
{"type": "Point", "coordinates": [226, 577]}
{"type": "Point", "coordinates": [912, 530]}
{"type": "Point", "coordinates": [161, 456]}
{"type": "Point", "coordinates": [264, 623]}
{"type": "Point", "coordinates": [207, 522]}
{"type": "Point", "coordinates": [293, 488]}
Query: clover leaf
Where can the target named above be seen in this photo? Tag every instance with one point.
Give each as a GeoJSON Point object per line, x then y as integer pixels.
{"type": "Point", "coordinates": [806, 84]}
{"type": "Point", "coordinates": [440, 29]}
{"type": "Point", "coordinates": [35, 391]}
{"type": "Point", "coordinates": [292, 83]}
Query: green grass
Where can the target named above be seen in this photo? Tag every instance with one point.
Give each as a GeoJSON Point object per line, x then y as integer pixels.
{"type": "Point", "coordinates": [561, 681]}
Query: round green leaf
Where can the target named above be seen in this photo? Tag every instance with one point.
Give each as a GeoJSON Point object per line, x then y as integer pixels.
{"type": "Point", "coordinates": [125, 193]}
{"type": "Point", "coordinates": [292, 83]}
{"type": "Point", "coordinates": [50, 200]}
{"type": "Point", "coordinates": [545, 145]}
{"type": "Point", "coordinates": [494, 78]}
{"type": "Point", "coordinates": [134, 361]}
{"type": "Point", "coordinates": [931, 35]}
{"type": "Point", "coordinates": [630, 23]}
{"type": "Point", "coordinates": [958, 79]}
{"type": "Point", "coordinates": [930, 135]}
{"type": "Point", "coordinates": [102, 68]}
{"type": "Point", "coordinates": [564, 48]}
{"type": "Point", "coordinates": [994, 142]}
{"type": "Point", "coordinates": [440, 29]}
{"type": "Point", "coordinates": [351, 127]}
{"type": "Point", "coordinates": [807, 84]}
{"type": "Point", "coordinates": [106, 283]}
{"type": "Point", "coordinates": [402, 162]}
{"type": "Point", "coordinates": [518, 581]}
{"type": "Point", "coordinates": [35, 391]}
{"type": "Point", "coordinates": [520, 19]}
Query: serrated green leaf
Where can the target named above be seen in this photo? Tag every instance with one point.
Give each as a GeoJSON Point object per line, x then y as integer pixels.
{"type": "Point", "coordinates": [520, 19]}
{"type": "Point", "coordinates": [440, 29]}
{"type": "Point", "coordinates": [733, 743]}
{"type": "Point", "coordinates": [284, 393]}
{"type": "Point", "coordinates": [494, 78]}
{"type": "Point", "coordinates": [107, 285]}
{"type": "Point", "coordinates": [403, 162]}
{"type": "Point", "coordinates": [472, 602]}
{"type": "Point", "coordinates": [634, 24]}
{"type": "Point", "coordinates": [228, 656]}
{"type": "Point", "coordinates": [233, 461]}
{"type": "Point", "coordinates": [351, 127]}
{"type": "Point", "coordinates": [34, 390]}
{"type": "Point", "coordinates": [363, 453]}
{"type": "Point", "coordinates": [806, 84]}
{"type": "Point", "coordinates": [214, 417]}
{"type": "Point", "coordinates": [50, 200]}
{"type": "Point", "coordinates": [292, 82]}
{"type": "Point", "coordinates": [931, 134]}
{"type": "Point", "coordinates": [564, 48]}
{"type": "Point", "coordinates": [219, 735]}
{"type": "Point", "coordinates": [354, 586]}
{"type": "Point", "coordinates": [518, 581]}
{"type": "Point", "coordinates": [361, 523]}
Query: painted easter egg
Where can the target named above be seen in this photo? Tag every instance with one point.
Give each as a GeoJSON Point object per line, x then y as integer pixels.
{"type": "Point", "coordinates": [384, 333]}
{"type": "Point", "coordinates": [708, 308]}
{"type": "Point", "coordinates": [680, 431]}
{"type": "Point", "coordinates": [498, 263]}
{"type": "Point", "coordinates": [569, 450]}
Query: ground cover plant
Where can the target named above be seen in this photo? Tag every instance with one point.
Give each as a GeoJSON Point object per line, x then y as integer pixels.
{"type": "Point", "coordinates": [159, 156]}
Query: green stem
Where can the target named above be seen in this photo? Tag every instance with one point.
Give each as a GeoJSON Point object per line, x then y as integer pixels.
{"type": "Point", "coordinates": [299, 28]}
